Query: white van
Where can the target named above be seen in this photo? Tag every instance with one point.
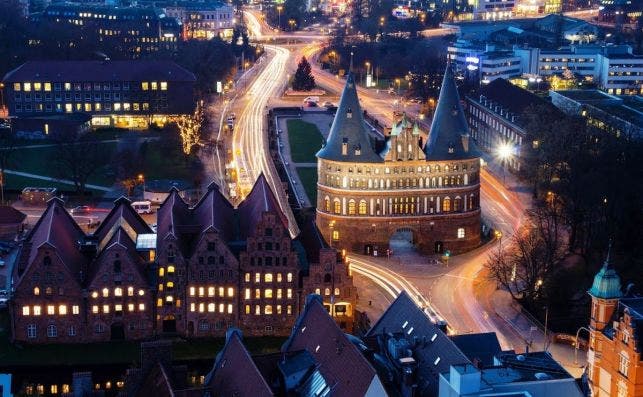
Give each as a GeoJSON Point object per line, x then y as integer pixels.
{"type": "Point", "coordinates": [142, 207]}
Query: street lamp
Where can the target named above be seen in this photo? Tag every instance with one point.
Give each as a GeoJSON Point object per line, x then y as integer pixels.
{"type": "Point", "coordinates": [576, 343]}
{"type": "Point", "coordinates": [504, 152]}
{"type": "Point", "coordinates": [279, 8]}
{"type": "Point", "coordinates": [141, 179]}
{"type": "Point", "coordinates": [368, 67]}
{"type": "Point", "coordinates": [397, 81]}
{"type": "Point", "coordinates": [292, 24]}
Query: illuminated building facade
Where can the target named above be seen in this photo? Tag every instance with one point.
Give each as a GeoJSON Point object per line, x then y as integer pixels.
{"type": "Point", "coordinates": [429, 189]}
{"type": "Point", "coordinates": [614, 364]}
{"type": "Point", "coordinates": [202, 20]}
{"type": "Point", "coordinates": [127, 94]}
{"type": "Point", "coordinates": [134, 31]}
{"type": "Point", "coordinates": [209, 267]}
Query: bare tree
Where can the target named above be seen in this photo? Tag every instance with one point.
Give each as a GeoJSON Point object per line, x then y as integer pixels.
{"type": "Point", "coordinates": [77, 158]}
{"type": "Point", "coordinates": [7, 150]}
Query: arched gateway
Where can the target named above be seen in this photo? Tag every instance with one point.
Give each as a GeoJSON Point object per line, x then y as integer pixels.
{"type": "Point", "coordinates": [427, 183]}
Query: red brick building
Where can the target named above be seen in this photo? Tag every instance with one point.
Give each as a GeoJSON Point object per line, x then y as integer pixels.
{"type": "Point", "coordinates": [209, 267]}
{"type": "Point", "coordinates": [428, 189]}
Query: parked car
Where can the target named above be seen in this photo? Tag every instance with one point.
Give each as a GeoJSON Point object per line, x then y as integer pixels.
{"type": "Point", "coordinates": [81, 209]}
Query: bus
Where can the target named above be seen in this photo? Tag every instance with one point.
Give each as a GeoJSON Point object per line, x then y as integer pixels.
{"type": "Point", "coordinates": [142, 207]}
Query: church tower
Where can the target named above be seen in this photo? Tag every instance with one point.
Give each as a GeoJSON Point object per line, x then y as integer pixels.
{"type": "Point", "coordinates": [605, 293]}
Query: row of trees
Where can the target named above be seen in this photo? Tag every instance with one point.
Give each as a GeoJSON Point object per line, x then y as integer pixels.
{"type": "Point", "coordinates": [588, 189]}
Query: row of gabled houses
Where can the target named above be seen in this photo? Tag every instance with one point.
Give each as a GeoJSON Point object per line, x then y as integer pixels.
{"type": "Point", "coordinates": [208, 267]}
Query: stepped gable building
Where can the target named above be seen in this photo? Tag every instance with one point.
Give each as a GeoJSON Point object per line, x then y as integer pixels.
{"type": "Point", "coordinates": [614, 363]}
{"type": "Point", "coordinates": [72, 288]}
{"type": "Point", "coordinates": [428, 187]}
{"type": "Point", "coordinates": [209, 267]}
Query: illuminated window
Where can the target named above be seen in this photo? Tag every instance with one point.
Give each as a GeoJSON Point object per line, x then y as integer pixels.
{"type": "Point", "coordinates": [201, 291]}
{"type": "Point", "coordinates": [62, 310]}
{"type": "Point", "coordinates": [159, 302]}
{"type": "Point", "coordinates": [126, 106]}
{"type": "Point", "coordinates": [169, 298]}
{"type": "Point", "coordinates": [221, 291]}
{"type": "Point", "coordinates": [289, 309]}
{"type": "Point", "coordinates": [326, 291]}
{"type": "Point", "coordinates": [51, 309]}
{"type": "Point", "coordinates": [160, 287]}
{"type": "Point", "coordinates": [279, 294]}
{"type": "Point", "coordinates": [25, 310]}
{"type": "Point", "coordinates": [192, 291]}
{"type": "Point", "coordinates": [88, 107]}
{"type": "Point", "coordinates": [460, 232]}
{"type": "Point", "coordinates": [268, 309]}
{"type": "Point", "coordinates": [446, 204]}
{"type": "Point", "coordinates": [118, 308]}
{"type": "Point", "coordinates": [336, 291]}
{"type": "Point", "coordinates": [278, 309]}
{"type": "Point", "coordinates": [97, 106]}
{"type": "Point", "coordinates": [26, 87]}
{"type": "Point", "coordinates": [192, 307]}
{"type": "Point", "coordinates": [257, 293]}
{"type": "Point", "coordinates": [68, 108]}
{"type": "Point", "coordinates": [170, 269]}
{"type": "Point", "coordinates": [161, 271]}
{"type": "Point", "coordinates": [211, 308]}
{"type": "Point", "coordinates": [257, 277]}
{"type": "Point", "coordinates": [210, 291]}
{"type": "Point", "coordinates": [221, 307]}
{"type": "Point", "coordinates": [229, 308]}
{"type": "Point", "coordinates": [36, 291]}
{"type": "Point", "coordinates": [337, 207]}
{"type": "Point", "coordinates": [362, 207]}
{"type": "Point", "coordinates": [75, 309]}
{"type": "Point", "coordinates": [37, 86]}
{"type": "Point", "coordinates": [106, 309]}
{"type": "Point", "coordinates": [247, 309]}
{"type": "Point", "coordinates": [47, 86]}
{"type": "Point", "coordinates": [154, 85]}
{"type": "Point", "coordinates": [141, 292]}
{"type": "Point", "coordinates": [317, 291]}
{"type": "Point", "coordinates": [230, 292]}
{"type": "Point", "coordinates": [130, 291]}
{"type": "Point", "coordinates": [335, 235]}
{"type": "Point", "coordinates": [118, 291]}
{"type": "Point", "coordinates": [351, 207]}
{"type": "Point", "coordinates": [117, 106]}
{"type": "Point", "coordinates": [130, 307]}
{"type": "Point", "coordinates": [257, 310]}
{"type": "Point", "coordinates": [141, 307]}
{"type": "Point", "coordinates": [105, 292]}
{"type": "Point", "coordinates": [163, 85]}
{"type": "Point", "coordinates": [289, 277]}
{"type": "Point", "coordinates": [16, 86]}
{"type": "Point", "coordinates": [289, 293]}
{"type": "Point", "coordinates": [170, 284]}
{"type": "Point", "coordinates": [201, 307]}
{"type": "Point", "coordinates": [278, 277]}
{"type": "Point", "coordinates": [267, 277]}
{"type": "Point", "coordinates": [95, 309]}
{"type": "Point", "coordinates": [268, 293]}
{"type": "Point", "coordinates": [144, 86]}
{"type": "Point", "coordinates": [247, 277]}
{"type": "Point", "coordinates": [67, 86]}
{"type": "Point", "coordinates": [247, 293]}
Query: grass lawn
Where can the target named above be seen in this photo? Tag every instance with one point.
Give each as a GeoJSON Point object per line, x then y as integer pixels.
{"type": "Point", "coordinates": [308, 177]}
{"type": "Point", "coordinates": [116, 352]}
{"type": "Point", "coordinates": [37, 161]}
{"type": "Point", "coordinates": [305, 141]}
{"type": "Point", "coordinates": [162, 161]}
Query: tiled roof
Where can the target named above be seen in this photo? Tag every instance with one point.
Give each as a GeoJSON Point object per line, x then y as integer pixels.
{"type": "Point", "coordinates": [260, 199]}
{"type": "Point", "coordinates": [58, 229]}
{"type": "Point", "coordinates": [10, 215]}
{"type": "Point", "coordinates": [157, 384]}
{"type": "Point", "coordinates": [349, 128]}
{"type": "Point", "coordinates": [340, 362]}
{"type": "Point", "coordinates": [214, 210]}
{"type": "Point", "coordinates": [235, 373]}
{"type": "Point", "coordinates": [435, 352]}
{"type": "Point", "coordinates": [82, 71]}
{"type": "Point", "coordinates": [449, 125]}
{"type": "Point", "coordinates": [171, 217]}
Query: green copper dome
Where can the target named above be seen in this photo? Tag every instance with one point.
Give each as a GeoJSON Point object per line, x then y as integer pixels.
{"type": "Point", "coordinates": [607, 284]}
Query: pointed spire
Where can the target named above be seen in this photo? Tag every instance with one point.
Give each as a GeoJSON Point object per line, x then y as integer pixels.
{"type": "Point", "coordinates": [607, 283]}
{"type": "Point", "coordinates": [349, 139]}
{"type": "Point", "coordinates": [449, 124]}
{"type": "Point", "coordinates": [608, 263]}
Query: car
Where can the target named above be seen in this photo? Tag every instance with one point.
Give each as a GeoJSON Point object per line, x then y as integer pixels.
{"type": "Point", "coordinates": [328, 104]}
{"type": "Point", "coordinates": [81, 209]}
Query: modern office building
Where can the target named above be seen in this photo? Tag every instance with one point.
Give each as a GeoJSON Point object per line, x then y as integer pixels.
{"type": "Point", "coordinates": [127, 94]}
{"type": "Point", "coordinates": [483, 64]}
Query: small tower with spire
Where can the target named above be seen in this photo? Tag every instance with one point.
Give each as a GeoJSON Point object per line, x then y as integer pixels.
{"type": "Point", "coordinates": [605, 293]}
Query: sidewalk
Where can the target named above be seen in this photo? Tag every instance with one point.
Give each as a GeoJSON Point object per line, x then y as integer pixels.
{"type": "Point", "coordinates": [63, 181]}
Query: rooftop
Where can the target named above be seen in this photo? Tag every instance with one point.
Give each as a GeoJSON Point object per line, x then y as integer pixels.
{"type": "Point", "coordinates": [635, 306]}
{"type": "Point", "coordinates": [84, 71]}
{"type": "Point", "coordinates": [585, 95]}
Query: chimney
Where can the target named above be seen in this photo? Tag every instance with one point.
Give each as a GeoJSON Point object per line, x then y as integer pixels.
{"type": "Point", "coordinates": [465, 143]}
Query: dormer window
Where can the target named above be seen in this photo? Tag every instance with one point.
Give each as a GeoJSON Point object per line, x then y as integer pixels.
{"type": "Point", "coordinates": [358, 150]}
{"type": "Point", "coordinates": [451, 147]}
{"type": "Point", "coordinates": [344, 146]}
{"type": "Point", "coordinates": [349, 113]}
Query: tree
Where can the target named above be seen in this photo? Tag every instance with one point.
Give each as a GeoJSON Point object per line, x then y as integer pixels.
{"type": "Point", "coordinates": [190, 128]}
{"type": "Point", "coordinates": [7, 149]}
{"type": "Point", "coordinates": [78, 157]}
{"type": "Point", "coordinates": [303, 79]}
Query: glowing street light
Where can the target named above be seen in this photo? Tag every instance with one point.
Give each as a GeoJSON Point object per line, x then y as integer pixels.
{"type": "Point", "coordinates": [504, 152]}
{"type": "Point", "coordinates": [279, 8]}
{"type": "Point", "coordinates": [141, 179]}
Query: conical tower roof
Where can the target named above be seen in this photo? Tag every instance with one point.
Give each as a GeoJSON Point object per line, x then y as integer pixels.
{"type": "Point", "coordinates": [449, 126]}
{"type": "Point", "coordinates": [607, 283]}
{"type": "Point", "coordinates": [348, 139]}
